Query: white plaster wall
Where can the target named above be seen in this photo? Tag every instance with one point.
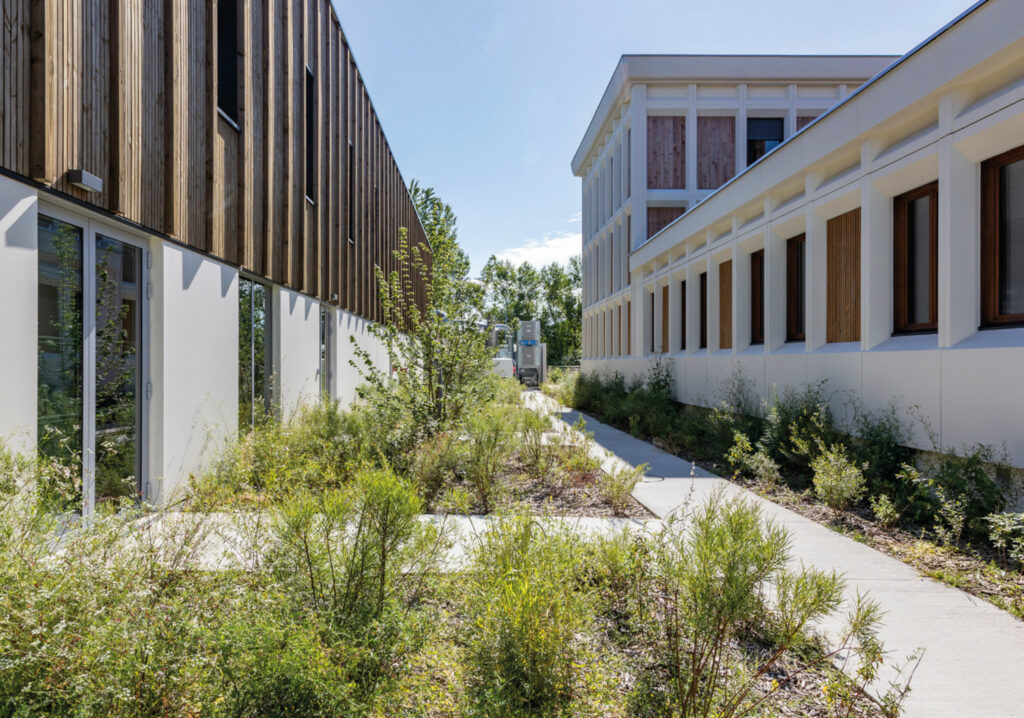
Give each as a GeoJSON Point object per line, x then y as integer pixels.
{"type": "Point", "coordinates": [347, 378]}
{"type": "Point", "coordinates": [296, 348]}
{"type": "Point", "coordinates": [19, 298]}
{"type": "Point", "coordinates": [194, 355]}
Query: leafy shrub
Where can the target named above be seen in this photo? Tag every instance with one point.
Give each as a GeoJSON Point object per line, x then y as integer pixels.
{"type": "Point", "coordinates": [436, 462]}
{"type": "Point", "coordinates": [712, 579]}
{"type": "Point", "coordinates": [1006, 534]}
{"type": "Point", "coordinates": [837, 481]}
{"type": "Point", "coordinates": [744, 460]}
{"type": "Point", "coordinates": [879, 443]}
{"type": "Point", "coordinates": [535, 453]}
{"type": "Point", "coordinates": [616, 486]}
{"type": "Point", "coordinates": [969, 476]}
{"type": "Point", "coordinates": [884, 510]}
{"type": "Point", "coordinates": [798, 425]}
{"type": "Point", "coordinates": [524, 646]}
{"type": "Point", "coordinates": [490, 434]}
{"type": "Point", "coordinates": [950, 518]}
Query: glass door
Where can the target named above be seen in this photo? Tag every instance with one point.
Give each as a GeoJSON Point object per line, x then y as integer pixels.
{"type": "Point", "coordinates": [90, 365]}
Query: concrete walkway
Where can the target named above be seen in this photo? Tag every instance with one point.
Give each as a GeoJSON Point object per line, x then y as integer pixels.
{"type": "Point", "coordinates": [973, 661]}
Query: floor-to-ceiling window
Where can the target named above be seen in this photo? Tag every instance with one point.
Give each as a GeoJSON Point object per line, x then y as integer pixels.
{"type": "Point", "coordinates": [254, 356]}
{"type": "Point", "coordinates": [90, 374]}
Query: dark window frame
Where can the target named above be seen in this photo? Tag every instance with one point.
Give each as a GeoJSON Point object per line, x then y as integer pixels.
{"type": "Point", "coordinates": [756, 152]}
{"type": "Point", "coordinates": [991, 238]}
{"type": "Point", "coordinates": [796, 288]}
{"type": "Point", "coordinates": [228, 95]}
{"type": "Point", "coordinates": [757, 297]}
{"type": "Point", "coordinates": [901, 260]}
{"type": "Point", "coordinates": [703, 310]}
{"type": "Point", "coordinates": [652, 323]}
{"type": "Point", "coordinates": [682, 316]}
{"type": "Point", "coordinates": [310, 159]}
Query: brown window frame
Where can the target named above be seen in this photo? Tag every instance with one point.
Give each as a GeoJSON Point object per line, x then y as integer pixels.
{"type": "Point", "coordinates": [703, 310]}
{"type": "Point", "coordinates": [900, 263]}
{"type": "Point", "coordinates": [652, 322]}
{"type": "Point", "coordinates": [757, 297]}
{"type": "Point", "coordinates": [682, 316]}
{"type": "Point", "coordinates": [796, 289]}
{"type": "Point", "coordinates": [990, 238]}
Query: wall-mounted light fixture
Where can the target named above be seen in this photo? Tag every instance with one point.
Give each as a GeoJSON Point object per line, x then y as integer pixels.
{"type": "Point", "coordinates": [85, 180]}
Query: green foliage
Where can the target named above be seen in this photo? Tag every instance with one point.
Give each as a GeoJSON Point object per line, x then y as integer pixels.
{"type": "Point", "coordinates": [969, 476]}
{"type": "Point", "coordinates": [742, 459]}
{"type": "Point", "coordinates": [449, 262]}
{"type": "Point", "coordinates": [489, 447]}
{"type": "Point", "coordinates": [879, 442]}
{"type": "Point", "coordinates": [950, 518]}
{"type": "Point", "coordinates": [798, 424]}
{"type": "Point", "coordinates": [1006, 534]}
{"type": "Point", "coordinates": [524, 642]}
{"type": "Point", "coordinates": [437, 360]}
{"type": "Point", "coordinates": [616, 486]}
{"type": "Point", "coordinates": [837, 480]}
{"type": "Point", "coordinates": [886, 514]}
{"type": "Point", "coordinates": [713, 578]}
{"type": "Point", "coordinates": [436, 463]}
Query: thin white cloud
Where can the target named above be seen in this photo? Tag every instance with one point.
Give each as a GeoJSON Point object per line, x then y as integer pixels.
{"type": "Point", "coordinates": [576, 218]}
{"type": "Point", "coordinates": [554, 247]}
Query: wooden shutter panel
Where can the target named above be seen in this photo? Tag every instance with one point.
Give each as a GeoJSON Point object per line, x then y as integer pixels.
{"type": "Point", "coordinates": [843, 277]}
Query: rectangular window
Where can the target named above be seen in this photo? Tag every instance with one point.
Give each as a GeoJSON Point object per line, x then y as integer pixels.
{"type": "Point", "coordinates": [725, 305]}
{"type": "Point", "coordinates": [227, 58]}
{"type": "Point", "coordinates": [89, 409]}
{"type": "Point", "coordinates": [254, 353]}
{"type": "Point", "coordinates": [703, 310]}
{"type": "Point", "coordinates": [326, 372]}
{"type": "Point", "coordinates": [666, 153]}
{"type": "Point", "coordinates": [763, 135]}
{"type": "Point", "coordinates": [351, 192]}
{"type": "Point", "coordinates": [796, 285]}
{"type": "Point", "coordinates": [310, 135]}
{"type": "Point", "coordinates": [682, 316]}
{"type": "Point", "coordinates": [664, 319]}
{"type": "Point", "coordinates": [1002, 239]}
{"type": "Point", "coordinates": [652, 322]}
{"type": "Point", "coordinates": [629, 327]}
{"type": "Point", "coordinates": [842, 310]}
{"type": "Point", "coordinates": [757, 297]}
{"type": "Point", "coordinates": [915, 260]}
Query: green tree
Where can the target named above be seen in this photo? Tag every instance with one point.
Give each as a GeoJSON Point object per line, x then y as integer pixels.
{"type": "Point", "coordinates": [511, 293]}
{"type": "Point", "coordinates": [450, 268]}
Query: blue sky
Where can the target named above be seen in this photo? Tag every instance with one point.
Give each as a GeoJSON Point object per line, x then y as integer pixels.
{"type": "Point", "coordinates": [487, 101]}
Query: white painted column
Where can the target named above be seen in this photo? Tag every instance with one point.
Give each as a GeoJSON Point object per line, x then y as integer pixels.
{"type": "Point", "coordinates": [959, 245]}
{"type": "Point", "coordinates": [741, 129]}
{"type": "Point", "coordinates": [816, 289]}
{"type": "Point", "coordinates": [714, 311]}
{"type": "Point", "coordinates": [876, 271]}
{"type": "Point", "coordinates": [674, 312]}
{"type": "Point", "coordinates": [692, 309]}
{"type": "Point", "coordinates": [638, 111]}
{"type": "Point", "coordinates": [691, 146]}
{"type": "Point", "coordinates": [774, 289]}
{"type": "Point", "coordinates": [740, 299]}
{"type": "Point", "coordinates": [791, 113]}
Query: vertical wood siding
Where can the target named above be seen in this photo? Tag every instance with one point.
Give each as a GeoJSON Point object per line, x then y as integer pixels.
{"type": "Point", "coordinates": [126, 90]}
{"type": "Point", "coordinates": [725, 305]}
{"type": "Point", "coordinates": [803, 120]}
{"type": "Point", "coordinates": [660, 217]}
{"type": "Point", "coordinates": [843, 277]}
{"type": "Point", "coordinates": [716, 151]}
{"type": "Point", "coordinates": [666, 152]}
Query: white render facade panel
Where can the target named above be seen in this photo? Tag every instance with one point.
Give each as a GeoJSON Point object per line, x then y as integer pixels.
{"type": "Point", "coordinates": [870, 148]}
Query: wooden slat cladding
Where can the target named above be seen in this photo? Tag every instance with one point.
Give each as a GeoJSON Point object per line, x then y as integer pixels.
{"type": "Point", "coordinates": [725, 305]}
{"type": "Point", "coordinates": [660, 217]}
{"type": "Point", "coordinates": [127, 90]}
{"type": "Point", "coordinates": [666, 152]}
{"type": "Point", "coordinates": [716, 151]}
{"type": "Point", "coordinates": [803, 120]}
{"type": "Point", "coordinates": [843, 278]}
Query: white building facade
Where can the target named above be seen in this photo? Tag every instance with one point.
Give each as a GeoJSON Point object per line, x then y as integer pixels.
{"type": "Point", "coordinates": [880, 247]}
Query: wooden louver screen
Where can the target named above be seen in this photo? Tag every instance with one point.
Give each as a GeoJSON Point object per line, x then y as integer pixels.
{"type": "Point", "coordinates": [843, 278]}
{"type": "Point", "coordinates": [725, 305]}
{"type": "Point", "coordinates": [666, 152]}
{"type": "Point", "coordinates": [716, 151]}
